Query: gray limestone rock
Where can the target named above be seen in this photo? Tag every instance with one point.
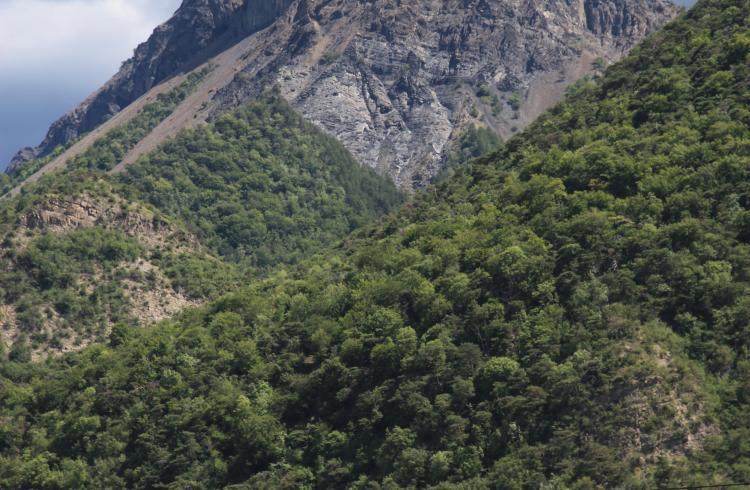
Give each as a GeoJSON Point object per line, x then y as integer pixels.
{"type": "Point", "coordinates": [397, 82]}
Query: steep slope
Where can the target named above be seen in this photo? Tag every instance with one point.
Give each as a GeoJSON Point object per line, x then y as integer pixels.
{"type": "Point", "coordinates": [397, 83]}
{"type": "Point", "coordinates": [77, 263]}
{"type": "Point", "coordinates": [261, 185]}
{"type": "Point", "coordinates": [83, 251]}
{"type": "Point", "coordinates": [113, 139]}
{"type": "Point", "coordinates": [197, 31]}
{"type": "Point", "coordinates": [569, 312]}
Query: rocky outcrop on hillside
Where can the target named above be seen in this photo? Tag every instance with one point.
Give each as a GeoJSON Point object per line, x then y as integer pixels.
{"type": "Point", "coordinates": [144, 292]}
{"type": "Point", "coordinates": [396, 82]}
{"type": "Point", "coordinates": [63, 214]}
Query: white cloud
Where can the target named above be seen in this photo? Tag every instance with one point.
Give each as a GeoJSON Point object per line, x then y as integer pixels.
{"type": "Point", "coordinates": [53, 53]}
{"type": "Point", "coordinates": [55, 36]}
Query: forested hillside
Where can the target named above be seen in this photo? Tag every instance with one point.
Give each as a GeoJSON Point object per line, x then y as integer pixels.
{"type": "Point", "coordinates": [105, 152]}
{"type": "Point", "coordinates": [261, 185]}
{"type": "Point", "coordinates": [570, 311]}
{"type": "Point", "coordinates": [84, 250]}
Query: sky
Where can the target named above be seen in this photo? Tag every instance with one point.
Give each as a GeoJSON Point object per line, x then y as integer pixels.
{"type": "Point", "coordinates": [54, 53]}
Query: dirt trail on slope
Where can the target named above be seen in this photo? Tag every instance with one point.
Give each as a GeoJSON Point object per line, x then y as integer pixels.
{"type": "Point", "coordinates": [189, 113]}
{"type": "Point", "coordinates": [119, 119]}
{"type": "Point", "coordinates": [195, 108]}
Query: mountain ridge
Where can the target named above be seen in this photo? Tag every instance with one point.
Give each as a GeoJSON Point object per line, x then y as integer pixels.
{"type": "Point", "coordinates": [337, 62]}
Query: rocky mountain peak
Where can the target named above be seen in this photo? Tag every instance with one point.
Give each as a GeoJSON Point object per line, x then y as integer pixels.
{"type": "Point", "coordinates": [397, 82]}
{"type": "Point", "coordinates": [198, 30]}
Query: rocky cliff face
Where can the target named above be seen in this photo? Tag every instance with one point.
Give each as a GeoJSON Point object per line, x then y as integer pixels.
{"type": "Point", "coordinates": [397, 82]}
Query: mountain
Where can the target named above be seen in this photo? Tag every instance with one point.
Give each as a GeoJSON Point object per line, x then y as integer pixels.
{"type": "Point", "coordinates": [570, 311]}
{"type": "Point", "coordinates": [84, 251]}
{"type": "Point", "coordinates": [398, 83]}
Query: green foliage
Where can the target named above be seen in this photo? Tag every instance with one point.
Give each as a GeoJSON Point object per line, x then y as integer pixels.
{"type": "Point", "coordinates": [568, 312]}
{"type": "Point", "coordinates": [514, 100]}
{"type": "Point", "coordinates": [198, 276]}
{"type": "Point", "coordinates": [476, 141]}
{"type": "Point", "coordinates": [9, 180]}
{"type": "Point", "coordinates": [21, 351]}
{"type": "Point", "coordinates": [484, 91]}
{"type": "Point", "coordinates": [73, 276]}
{"type": "Point", "coordinates": [106, 152]}
{"type": "Point", "coordinates": [261, 185]}
{"type": "Point", "coordinates": [329, 57]}
{"type": "Point", "coordinates": [485, 94]}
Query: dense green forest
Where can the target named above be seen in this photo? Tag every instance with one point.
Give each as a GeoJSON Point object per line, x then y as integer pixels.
{"type": "Point", "coordinates": [261, 185]}
{"type": "Point", "coordinates": [85, 250]}
{"type": "Point", "coordinates": [570, 311]}
{"type": "Point", "coordinates": [474, 142]}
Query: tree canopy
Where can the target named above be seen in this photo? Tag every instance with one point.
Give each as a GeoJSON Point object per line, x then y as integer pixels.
{"type": "Point", "coordinates": [570, 311]}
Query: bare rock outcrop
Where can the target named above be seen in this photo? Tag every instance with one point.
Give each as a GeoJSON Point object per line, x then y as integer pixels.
{"type": "Point", "coordinates": [397, 82]}
{"type": "Point", "coordinates": [62, 214]}
{"type": "Point", "coordinates": [146, 289]}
